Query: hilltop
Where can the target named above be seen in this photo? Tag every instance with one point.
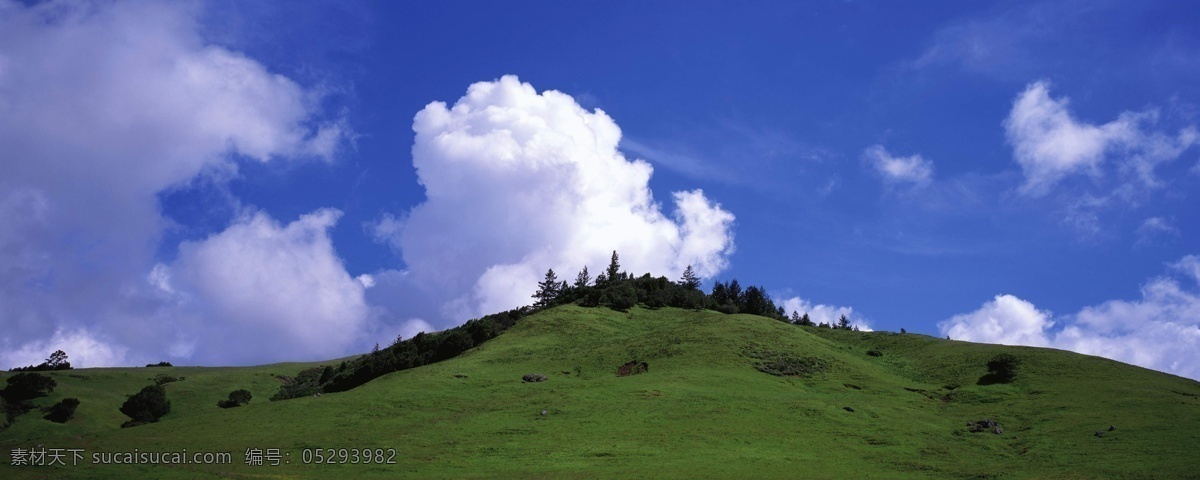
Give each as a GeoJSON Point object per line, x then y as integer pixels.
{"type": "Point", "coordinates": [705, 408]}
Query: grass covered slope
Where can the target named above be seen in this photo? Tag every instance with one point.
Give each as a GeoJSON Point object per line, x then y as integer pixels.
{"type": "Point", "coordinates": [702, 410]}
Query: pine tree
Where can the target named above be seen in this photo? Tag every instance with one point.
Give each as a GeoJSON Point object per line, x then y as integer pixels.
{"type": "Point", "coordinates": [795, 318]}
{"type": "Point", "coordinates": [690, 281]}
{"type": "Point", "coordinates": [735, 293]}
{"type": "Point", "coordinates": [805, 321]}
{"type": "Point", "coordinates": [843, 323]}
{"type": "Point", "coordinates": [755, 302]}
{"type": "Point", "coordinates": [548, 289]}
{"type": "Point", "coordinates": [720, 293]}
{"type": "Point", "coordinates": [614, 268]}
{"type": "Point", "coordinates": [583, 278]}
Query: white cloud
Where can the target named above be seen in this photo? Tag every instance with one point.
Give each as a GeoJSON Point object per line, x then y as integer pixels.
{"type": "Point", "coordinates": [104, 105]}
{"type": "Point", "coordinates": [821, 313]}
{"type": "Point", "coordinates": [271, 291]}
{"type": "Point", "coordinates": [1159, 331]}
{"type": "Point", "coordinates": [83, 348]}
{"type": "Point", "coordinates": [517, 182]}
{"type": "Point", "coordinates": [913, 169]}
{"type": "Point", "coordinates": [1006, 319]}
{"type": "Point", "coordinates": [1050, 144]}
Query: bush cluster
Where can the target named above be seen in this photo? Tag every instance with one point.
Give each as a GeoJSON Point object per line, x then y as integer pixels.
{"type": "Point", "coordinates": [62, 411]}
{"type": "Point", "coordinates": [146, 406]}
{"type": "Point", "coordinates": [236, 398]}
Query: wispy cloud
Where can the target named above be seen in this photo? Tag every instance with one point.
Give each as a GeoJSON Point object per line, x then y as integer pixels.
{"type": "Point", "coordinates": [1156, 231]}
{"type": "Point", "coordinates": [734, 152]}
{"type": "Point", "coordinates": [911, 170]}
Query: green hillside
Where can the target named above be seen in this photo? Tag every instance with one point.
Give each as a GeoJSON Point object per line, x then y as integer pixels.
{"type": "Point", "coordinates": [703, 410]}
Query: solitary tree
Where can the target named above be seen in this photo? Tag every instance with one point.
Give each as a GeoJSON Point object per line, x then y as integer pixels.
{"type": "Point", "coordinates": [147, 405]}
{"type": "Point", "coordinates": [1004, 367]}
{"type": "Point", "coordinates": [690, 281]}
{"type": "Point", "coordinates": [58, 361]}
{"type": "Point", "coordinates": [63, 410]}
{"type": "Point", "coordinates": [237, 398]}
{"type": "Point", "coordinates": [548, 289]}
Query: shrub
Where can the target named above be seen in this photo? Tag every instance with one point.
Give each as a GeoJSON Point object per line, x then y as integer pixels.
{"type": "Point", "coordinates": [237, 398]}
{"type": "Point", "coordinates": [24, 386]}
{"type": "Point", "coordinates": [622, 297]}
{"type": "Point", "coordinates": [163, 379]}
{"type": "Point", "coordinates": [159, 364]}
{"type": "Point", "coordinates": [147, 406]}
{"type": "Point", "coordinates": [727, 309]}
{"type": "Point", "coordinates": [1003, 367]}
{"type": "Point", "coordinates": [874, 353]}
{"type": "Point", "coordinates": [63, 410]}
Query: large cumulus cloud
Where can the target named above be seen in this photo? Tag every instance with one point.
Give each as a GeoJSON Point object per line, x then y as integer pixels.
{"type": "Point", "coordinates": [269, 291]}
{"type": "Point", "coordinates": [102, 106]}
{"type": "Point", "coordinates": [517, 182]}
{"type": "Point", "coordinates": [1159, 331]}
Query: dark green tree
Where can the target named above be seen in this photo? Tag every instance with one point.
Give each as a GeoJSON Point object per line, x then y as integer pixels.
{"type": "Point", "coordinates": [1003, 367]}
{"type": "Point", "coordinates": [58, 361]}
{"type": "Point", "coordinates": [583, 279]}
{"type": "Point", "coordinates": [843, 323]}
{"type": "Point", "coordinates": [720, 293]}
{"type": "Point", "coordinates": [805, 321]}
{"type": "Point", "coordinates": [63, 410]}
{"type": "Point", "coordinates": [548, 289]}
{"type": "Point", "coordinates": [735, 293]}
{"type": "Point", "coordinates": [689, 280]}
{"type": "Point", "coordinates": [622, 297]}
{"type": "Point", "coordinates": [25, 386]}
{"type": "Point", "coordinates": [755, 302]}
{"type": "Point", "coordinates": [148, 405]}
{"type": "Point", "coordinates": [237, 398]}
{"type": "Point", "coordinates": [613, 274]}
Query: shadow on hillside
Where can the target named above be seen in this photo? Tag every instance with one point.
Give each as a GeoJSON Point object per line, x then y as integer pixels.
{"type": "Point", "coordinates": [990, 379]}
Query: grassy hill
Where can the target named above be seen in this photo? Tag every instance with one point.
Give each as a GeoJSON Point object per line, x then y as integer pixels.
{"type": "Point", "coordinates": [705, 409]}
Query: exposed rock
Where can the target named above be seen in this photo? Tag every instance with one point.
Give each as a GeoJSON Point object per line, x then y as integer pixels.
{"type": "Point", "coordinates": [632, 368]}
{"type": "Point", "coordinates": [543, 412]}
{"type": "Point", "coordinates": [985, 424]}
{"type": "Point", "coordinates": [848, 409]}
{"type": "Point", "coordinates": [533, 377]}
{"type": "Point", "coordinates": [1099, 434]}
{"type": "Point", "coordinates": [1111, 428]}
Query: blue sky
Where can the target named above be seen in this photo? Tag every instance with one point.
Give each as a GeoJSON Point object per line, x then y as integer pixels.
{"type": "Point", "coordinates": [232, 182]}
